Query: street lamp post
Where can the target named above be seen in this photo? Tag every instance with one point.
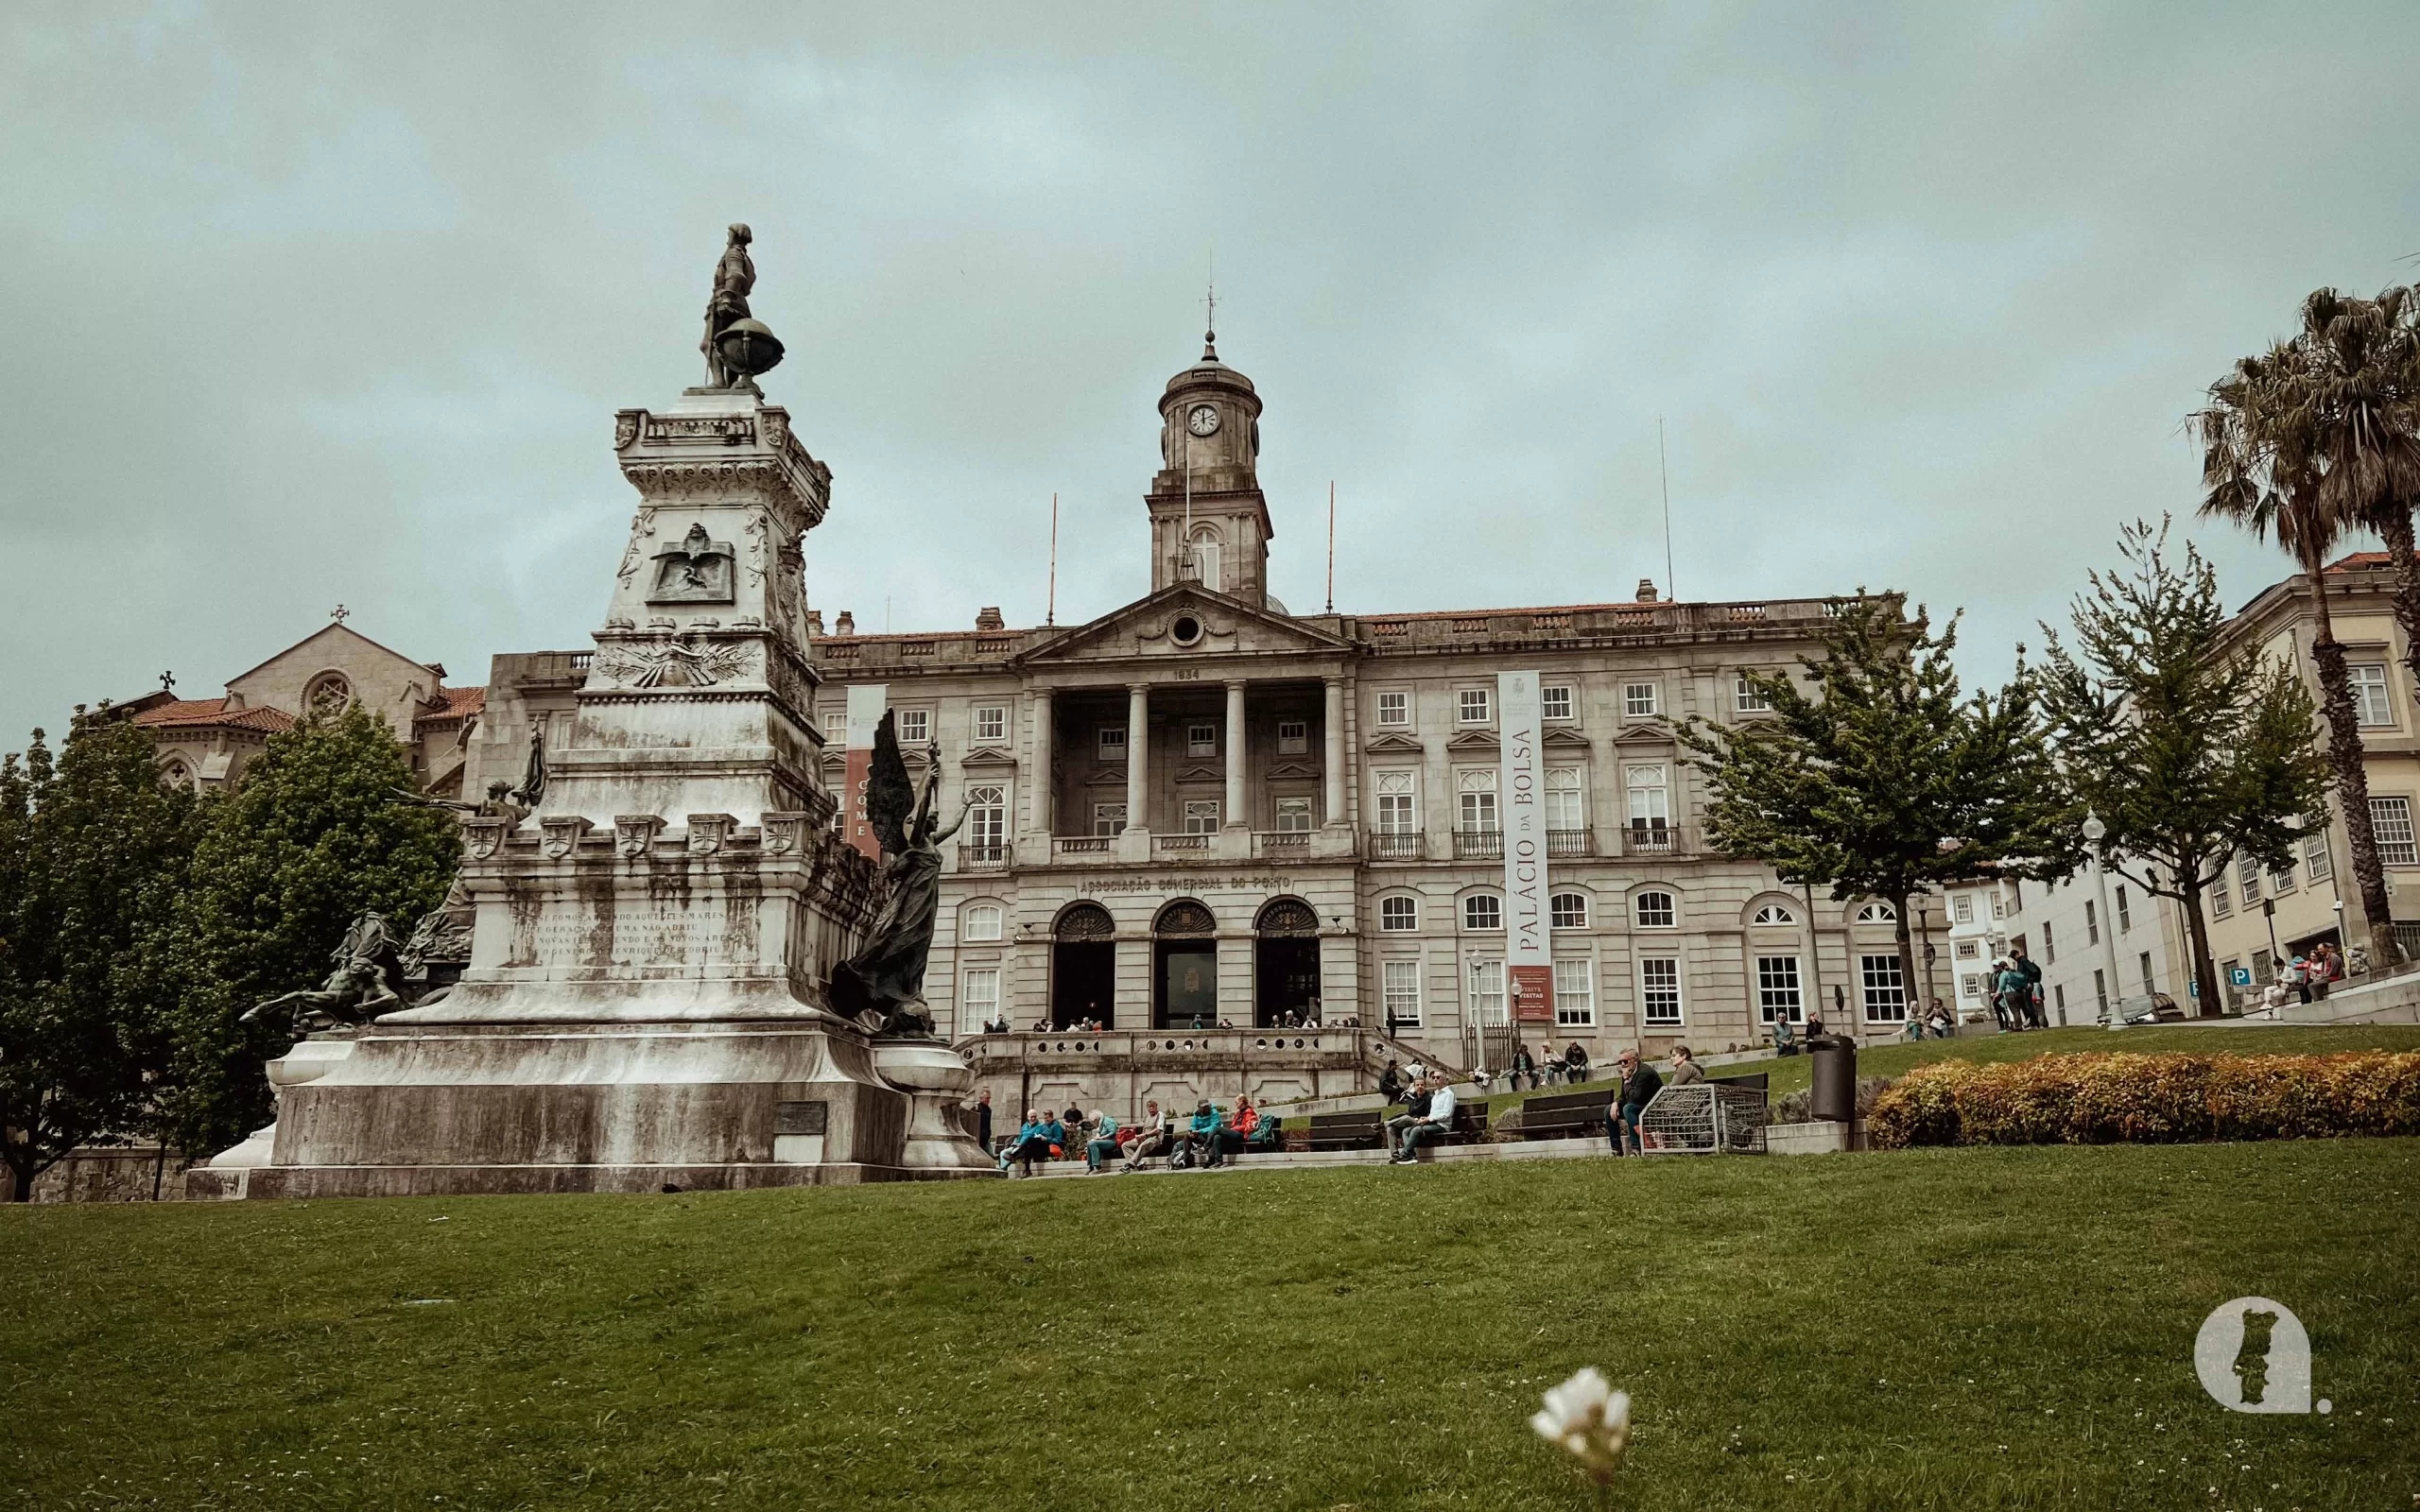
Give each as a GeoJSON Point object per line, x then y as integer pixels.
{"type": "Point", "coordinates": [2094, 833]}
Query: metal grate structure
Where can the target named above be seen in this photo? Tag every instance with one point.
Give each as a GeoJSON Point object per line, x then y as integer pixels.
{"type": "Point", "coordinates": [1703, 1117]}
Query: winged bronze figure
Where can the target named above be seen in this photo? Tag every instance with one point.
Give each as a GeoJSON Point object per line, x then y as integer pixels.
{"type": "Point", "coordinates": [882, 985]}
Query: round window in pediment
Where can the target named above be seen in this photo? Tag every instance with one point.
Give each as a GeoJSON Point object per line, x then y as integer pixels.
{"type": "Point", "coordinates": [1185, 629]}
{"type": "Point", "coordinates": [328, 696]}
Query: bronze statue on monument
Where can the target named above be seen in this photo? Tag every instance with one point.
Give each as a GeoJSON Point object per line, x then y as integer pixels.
{"type": "Point", "coordinates": [503, 801]}
{"type": "Point", "coordinates": [882, 987]}
{"type": "Point", "coordinates": [367, 982]}
{"type": "Point", "coordinates": [737, 347]}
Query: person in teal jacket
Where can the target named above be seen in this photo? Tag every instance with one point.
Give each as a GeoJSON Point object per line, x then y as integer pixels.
{"type": "Point", "coordinates": [1203, 1135]}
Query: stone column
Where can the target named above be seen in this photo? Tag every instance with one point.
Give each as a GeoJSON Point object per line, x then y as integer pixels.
{"type": "Point", "coordinates": [1039, 779]}
{"type": "Point", "coordinates": [1236, 815]}
{"type": "Point", "coordinates": [1332, 758]}
{"type": "Point", "coordinates": [1138, 754]}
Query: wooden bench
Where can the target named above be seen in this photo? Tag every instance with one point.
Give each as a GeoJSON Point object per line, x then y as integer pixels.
{"type": "Point", "coordinates": [1759, 1082]}
{"type": "Point", "coordinates": [1563, 1115]}
{"type": "Point", "coordinates": [1347, 1131]}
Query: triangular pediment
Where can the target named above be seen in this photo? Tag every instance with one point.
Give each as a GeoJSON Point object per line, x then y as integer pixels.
{"type": "Point", "coordinates": [1400, 744]}
{"type": "Point", "coordinates": [1152, 627]}
{"type": "Point", "coordinates": [1565, 736]}
{"type": "Point", "coordinates": [988, 756]}
{"type": "Point", "coordinates": [1291, 769]}
{"type": "Point", "coordinates": [1643, 733]}
{"type": "Point", "coordinates": [1202, 772]}
{"type": "Point", "coordinates": [1473, 740]}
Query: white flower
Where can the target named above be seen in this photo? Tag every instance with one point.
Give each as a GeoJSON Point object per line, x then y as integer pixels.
{"type": "Point", "coordinates": [1590, 1419]}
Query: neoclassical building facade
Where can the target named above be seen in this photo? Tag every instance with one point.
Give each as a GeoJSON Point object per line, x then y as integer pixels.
{"type": "Point", "coordinates": [1201, 809]}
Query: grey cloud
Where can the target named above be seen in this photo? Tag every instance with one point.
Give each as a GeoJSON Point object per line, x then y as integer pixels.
{"type": "Point", "coordinates": [311, 305]}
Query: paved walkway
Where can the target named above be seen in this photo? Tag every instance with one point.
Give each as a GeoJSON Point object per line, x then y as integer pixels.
{"type": "Point", "coordinates": [1307, 1160]}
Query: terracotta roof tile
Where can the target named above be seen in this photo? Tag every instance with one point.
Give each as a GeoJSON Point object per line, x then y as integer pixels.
{"type": "Point", "coordinates": [188, 712]}
{"type": "Point", "coordinates": [458, 702]}
{"type": "Point", "coordinates": [2358, 558]}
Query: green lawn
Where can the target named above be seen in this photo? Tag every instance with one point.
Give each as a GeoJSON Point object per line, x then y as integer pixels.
{"type": "Point", "coordinates": [1967, 1330]}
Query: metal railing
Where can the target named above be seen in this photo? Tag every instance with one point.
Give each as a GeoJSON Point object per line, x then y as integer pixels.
{"type": "Point", "coordinates": [1651, 840]}
{"type": "Point", "coordinates": [982, 857]}
{"type": "Point", "coordinates": [1478, 845]}
{"type": "Point", "coordinates": [1396, 845]}
{"type": "Point", "coordinates": [1568, 842]}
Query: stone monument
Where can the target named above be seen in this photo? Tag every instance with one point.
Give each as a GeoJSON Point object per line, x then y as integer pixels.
{"type": "Point", "coordinates": [647, 998]}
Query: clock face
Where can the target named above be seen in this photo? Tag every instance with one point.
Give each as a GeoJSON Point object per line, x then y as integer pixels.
{"type": "Point", "coordinates": [1202, 421]}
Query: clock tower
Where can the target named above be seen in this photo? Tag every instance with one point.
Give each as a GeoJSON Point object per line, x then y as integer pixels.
{"type": "Point", "coordinates": [1209, 519]}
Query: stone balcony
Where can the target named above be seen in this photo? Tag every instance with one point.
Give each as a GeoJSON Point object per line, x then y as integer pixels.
{"type": "Point", "coordinates": [1141, 847]}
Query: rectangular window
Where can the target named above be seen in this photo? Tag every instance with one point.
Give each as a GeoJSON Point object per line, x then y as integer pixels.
{"type": "Point", "coordinates": [1968, 950]}
{"type": "Point", "coordinates": [1398, 915]}
{"type": "Point", "coordinates": [1970, 986]}
{"type": "Point", "coordinates": [2091, 924]}
{"type": "Point", "coordinates": [1293, 736]}
{"type": "Point", "coordinates": [2125, 919]}
{"type": "Point", "coordinates": [1885, 989]}
{"type": "Point", "coordinates": [915, 727]}
{"type": "Point", "coordinates": [1202, 815]}
{"type": "Point", "coordinates": [991, 722]}
{"type": "Point", "coordinates": [1563, 809]}
{"type": "Point", "coordinates": [1747, 697]}
{"type": "Point", "coordinates": [1575, 994]}
{"type": "Point", "coordinates": [980, 993]}
{"type": "Point", "coordinates": [2283, 880]}
{"type": "Point", "coordinates": [1113, 743]}
{"type": "Point", "coordinates": [1476, 706]}
{"type": "Point", "coordinates": [2221, 901]}
{"type": "Point", "coordinates": [2247, 876]}
{"type": "Point", "coordinates": [1963, 908]}
{"type": "Point", "coordinates": [2059, 1001]}
{"type": "Point", "coordinates": [1554, 702]}
{"type": "Point", "coordinates": [982, 922]}
{"type": "Point", "coordinates": [987, 814]}
{"type": "Point", "coordinates": [2369, 693]}
{"type": "Point", "coordinates": [2151, 980]}
{"type": "Point", "coordinates": [2049, 944]}
{"type": "Point", "coordinates": [1398, 802]}
{"type": "Point", "coordinates": [1487, 988]}
{"type": "Point", "coordinates": [2317, 863]}
{"type": "Point", "coordinates": [1483, 911]}
{"type": "Point", "coordinates": [2391, 822]}
{"type": "Point", "coordinates": [1659, 989]}
{"type": "Point", "coordinates": [1999, 906]}
{"type": "Point", "coordinates": [1475, 801]}
{"type": "Point", "coordinates": [1109, 818]}
{"type": "Point", "coordinates": [1202, 740]}
{"type": "Point", "coordinates": [1780, 996]}
{"type": "Point", "coordinates": [1639, 700]}
{"type": "Point", "coordinates": [1395, 711]}
{"type": "Point", "coordinates": [2100, 990]}
{"type": "Point", "coordinates": [1399, 983]}
{"type": "Point", "coordinates": [1650, 799]}
{"type": "Point", "coordinates": [1293, 816]}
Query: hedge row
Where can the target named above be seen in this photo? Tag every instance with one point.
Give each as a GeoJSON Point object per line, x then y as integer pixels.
{"type": "Point", "coordinates": [2149, 1099]}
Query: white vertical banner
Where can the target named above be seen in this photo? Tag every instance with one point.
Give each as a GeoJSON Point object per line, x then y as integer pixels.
{"type": "Point", "coordinates": [867, 700]}
{"type": "Point", "coordinates": [1528, 949]}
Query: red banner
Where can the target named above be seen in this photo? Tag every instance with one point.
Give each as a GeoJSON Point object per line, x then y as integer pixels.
{"type": "Point", "coordinates": [866, 704]}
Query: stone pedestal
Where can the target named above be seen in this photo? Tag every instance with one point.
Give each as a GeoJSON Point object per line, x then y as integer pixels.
{"type": "Point", "coordinates": [645, 1004]}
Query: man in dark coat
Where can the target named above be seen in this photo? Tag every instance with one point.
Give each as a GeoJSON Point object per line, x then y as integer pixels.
{"type": "Point", "coordinates": [1639, 1084]}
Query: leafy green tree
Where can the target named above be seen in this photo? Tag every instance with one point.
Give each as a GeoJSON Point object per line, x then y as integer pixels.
{"type": "Point", "coordinates": [88, 844]}
{"type": "Point", "coordinates": [2189, 749]}
{"type": "Point", "coordinates": [289, 859]}
{"type": "Point", "coordinates": [2275, 441]}
{"type": "Point", "coordinates": [2364, 389]}
{"type": "Point", "coordinates": [1880, 779]}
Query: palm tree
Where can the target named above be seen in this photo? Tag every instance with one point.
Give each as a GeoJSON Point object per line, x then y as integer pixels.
{"type": "Point", "coordinates": [2267, 439]}
{"type": "Point", "coordinates": [2365, 384]}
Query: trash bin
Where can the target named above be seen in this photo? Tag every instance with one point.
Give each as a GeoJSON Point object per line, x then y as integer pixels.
{"type": "Point", "coordinates": [1835, 1073]}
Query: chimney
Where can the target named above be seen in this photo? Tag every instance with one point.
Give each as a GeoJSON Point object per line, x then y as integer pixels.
{"type": "Point", "coordinates": [989, 619]}
{"type": "Point", "coordinates": [845, 625]}
{"type": "Point", "coordinates": [815, 621]}
{"type": "Point", "coordinates": [1647, 591]}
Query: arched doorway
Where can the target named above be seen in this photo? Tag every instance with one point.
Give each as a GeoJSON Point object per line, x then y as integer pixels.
{"type": "Point", "coordinates": [1285, 961]}
{"type": "Point", "coordinates": [1184, 967]}
{"type": "Point", "coordinates": [1084, 966]}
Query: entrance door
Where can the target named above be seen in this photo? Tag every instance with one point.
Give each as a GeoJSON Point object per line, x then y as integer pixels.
{"type": "Point", "coordinates": [1187, 978]}
{"type": "Point", "coordinates": [1286, 976]}
{"type": "Point", "coordinates": [1084, 982]}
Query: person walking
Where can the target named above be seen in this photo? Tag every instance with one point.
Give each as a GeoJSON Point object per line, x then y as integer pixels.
{"type": "Point", "coordinates": [2031, 1001]}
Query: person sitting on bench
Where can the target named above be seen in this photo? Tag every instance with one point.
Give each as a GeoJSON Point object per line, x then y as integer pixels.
{"type": "Point", "coordinates": [1236, 1137]}
{"type": "Point", "coordinates": [1430, 1128]}
{"type": "Point", "coordinates": [1102, 1148]}
{"type": "Point", "coordinates": [1416, 1108]}
{"type": "Point", "coordinates": [1155, 1137]}
{"type": "Point", "coordinates": [1202, 1139]}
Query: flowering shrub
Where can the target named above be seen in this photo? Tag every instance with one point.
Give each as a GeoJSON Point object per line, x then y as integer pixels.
{"type": "Point", "coordinates": [2149, 1099]}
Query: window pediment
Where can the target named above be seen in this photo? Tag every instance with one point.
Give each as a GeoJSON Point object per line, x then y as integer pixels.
{"type": "Point", "coordinates": [1382, 743]}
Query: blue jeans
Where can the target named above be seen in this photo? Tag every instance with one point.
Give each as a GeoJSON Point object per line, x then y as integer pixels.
{"type": "Point", "coordinates": [1419, 1134]}
{"type": "Point", "coordinates": [1627, 1139]}
{"type": "Point", "coordinates": [1098, 1153]}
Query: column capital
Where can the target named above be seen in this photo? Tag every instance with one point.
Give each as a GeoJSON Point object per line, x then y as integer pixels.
{"type": "Point", "coordinates": [1138, 687]}
{"type": "Point", "coordinates": [1235, 683]}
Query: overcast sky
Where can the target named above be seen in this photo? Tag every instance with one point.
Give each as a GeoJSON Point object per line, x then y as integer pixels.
{"type": "Point", "coordinates": [335, 302]}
